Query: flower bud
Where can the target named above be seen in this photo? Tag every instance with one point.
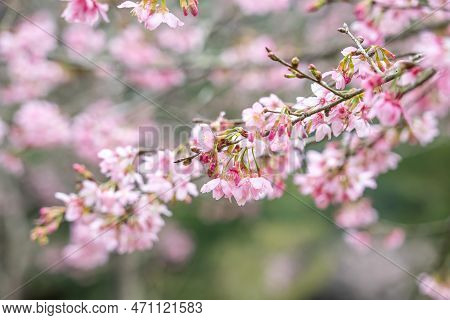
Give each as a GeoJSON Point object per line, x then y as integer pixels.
{"type": "Point", "coordinates": [315, 72]}
{"type": "Point", "coordinates": [271, 55]}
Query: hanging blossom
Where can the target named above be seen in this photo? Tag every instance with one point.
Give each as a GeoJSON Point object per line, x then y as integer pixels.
{"type": "Point", "coordinates": [85, 11]}
{"type": "Point", "coordinates": [362, 102]}
{"type": "Point", "coordinates": [120, 215]}
{"type": "Point", "coordinates": [153, 13]}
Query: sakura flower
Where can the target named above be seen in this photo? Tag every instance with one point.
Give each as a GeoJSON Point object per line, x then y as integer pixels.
{"type": "Point", "coordinates": [89, 192]}
{"type": "Point", "coordinates": [152, 19]}
{"type": "Point", "coordinates": [339, 117]}
{"type": "Point", "coordinates": [74, 205]}
{"type": "Point", "coordinates": [258, 187]}
{"type": "Point", "coordinates": [322, 96]}
{"type": "Point", "coordinates": [338, 78]}
{"type": "Point", "coordinates": [371, 34]}
{"type": "Point", "coordinates": [321, 127]}
{"type": "Point", "coordinates": [203, 137]}
{"type": "Point", "coordinates": [254, 116]}
{"type": "Point", "coordinates": [142, 234]}
{"type": "Point", "coordinates": [220, 188]}
{"type": "Point", "coordinates": [184, 189]}
{"type": "Point", "coordinates": [118, 164]}
{"type": "Point", "coordinates": [387, 109]}
{"type": "Point", "coordinates": [272, 102]}
{"type": "Point", "coordinates": [424, 128]}
{"type": "Point", "coordinates": [85, 11]}
{"type": "Point", "coordinates": [360, 120]}
{"type": "Point", "coordinates": [160, 186]}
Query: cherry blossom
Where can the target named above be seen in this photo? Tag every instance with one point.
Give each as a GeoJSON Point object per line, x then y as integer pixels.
{"type": "Point", "coordinates": [85, 11]}
{"type": "Point", "coordinates": [152, 16]}
{"type": "Point", "coordinates": [366, 105]}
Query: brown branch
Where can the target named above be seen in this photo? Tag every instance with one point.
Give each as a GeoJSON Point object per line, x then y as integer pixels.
{"type": "Point", "coordinates": [427, 74]}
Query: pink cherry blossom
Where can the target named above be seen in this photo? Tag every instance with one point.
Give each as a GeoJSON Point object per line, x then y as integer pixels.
{"type": "Point", "coordinates": [203, 137]}
{"type": "Point", "coordinates": [74, 205]}
{"type": "Point", "coordinates": [254, 116]}
{"type": "Point", "coordinates": [85, 11]}
{"type": "Point", "coordinates": [150, 19]}
{"type": "Point", "coordinates": [338, 78]}
{"type": "Point", "coordinates": [220, 188]}
{"type": "Point", "coordinates": [322, 96]}
{"type": "Point", "coordinates": [387, 109]}
{"type": "Point", "coordinates": [118, 165]}
{"type": "Point", "coordinates": [250, 189]}
{"type": "Point", "coordinates": [40, 124]}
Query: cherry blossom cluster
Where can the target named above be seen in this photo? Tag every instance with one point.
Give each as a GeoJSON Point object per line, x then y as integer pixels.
{"type": "Point", "coordinates": [334, 142]}
{"type": "Point", "coordinates": [375, 20]}
{"type": "Point", "coordinates": [250, 159]}
{"type": "Point", "coordinates": [85, 11]}
{"type": "Point", "coordinates": [152, 13]}
{"type": "Point", "coordinates": [23, 89]}
{"type": "Point", "coordinates": [123, 214]}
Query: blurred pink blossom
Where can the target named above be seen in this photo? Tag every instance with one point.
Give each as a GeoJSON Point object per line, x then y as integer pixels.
{"type": "Point", "coordinates": [85, 11]}
{"type": "Point", "coordinates": [84, 39]}
{"type": "Point", "coordinates": [176, 245]}
{"type": "Point", "coordinates": [40, 124]}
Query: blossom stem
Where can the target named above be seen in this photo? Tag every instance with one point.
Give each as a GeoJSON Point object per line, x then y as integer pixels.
{"type": "Point", "coordinates": [256, 162]}
{"type": "Point", "coordinates": [345, 29]}
{"type": "Point", "coordinates": [301, 75]}
{"type": "Point", "coordinates": [187, 158]}
{"type": "Point", "coordinates": [427, 74]}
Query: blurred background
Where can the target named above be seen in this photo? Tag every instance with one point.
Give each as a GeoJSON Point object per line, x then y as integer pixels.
{"type": "Point", "coordinates": [280, 249]}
